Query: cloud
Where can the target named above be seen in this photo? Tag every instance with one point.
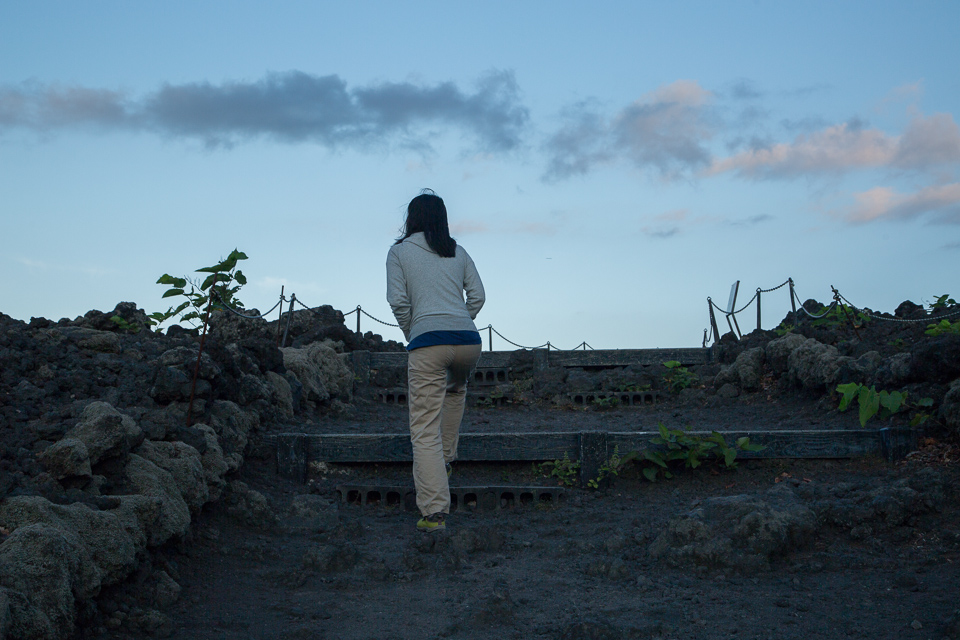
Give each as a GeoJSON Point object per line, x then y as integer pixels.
{"type": "Point", "coordinates": [537, 228]}
{"type": "Point", "coordinates": [752, 220]}
{"type": "Point", "coordinates": [677, 221]}
{"type": "Point", "coordinates": [667, 224]}
{"type": "Point", "coordinates": [39, 265]}
{"type": "Point", "coordinates": [744, 89]}
{"type": "Point", "coordinates": [926, 143]}
{"type": "Point", "coordinates": [665, 131]}
{"type": "Point", "coordinates": [466, 227]}
{"type": "Point", "coordinates": [291, 107]}
{"type": "Point", "coordinates": [883, 203]}
{"type": "Point", "coordinates": [579, 145]}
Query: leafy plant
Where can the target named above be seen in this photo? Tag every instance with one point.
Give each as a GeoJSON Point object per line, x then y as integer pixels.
{"type": "Point", "coordinates": [677, 445]}
{"type": "Point", "coordinates": [783, 329]}
{"type": "Point", "coordinates": [677, 376]}
{"type": "Point", "coordinates": [941, 302]}
{"type": "Point", "coordinates": [610, 402]}
{"type": "Point", "coordinates": [564, 470]}
{"type": "Point", "coordinates": [886, 403]}
{"type": "Point", "coordinates": [897, 343]}
{"type": "Point", "coordinates": [612, 467]}
{"type": "Point", "coordinates": [131, 327]}
{"type": "Point", "coordinates": [223, 283]}
{"type": "Point", "coordinates": [943, 327]}
{"type": "Point", "coordinates": [633, 388]}
{"type": "Point", "coordinates": [838, 315]}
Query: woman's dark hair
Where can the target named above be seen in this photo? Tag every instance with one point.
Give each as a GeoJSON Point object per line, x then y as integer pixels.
{"type": "Point", "coordinates": [428, 214]}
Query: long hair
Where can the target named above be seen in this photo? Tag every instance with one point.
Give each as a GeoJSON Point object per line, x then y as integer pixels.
{"type": "Point", "coordinates": [428, 214]}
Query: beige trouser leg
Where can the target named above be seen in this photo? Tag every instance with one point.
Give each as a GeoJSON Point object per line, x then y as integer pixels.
{"type": "Point", "coordinates": [437, 378]}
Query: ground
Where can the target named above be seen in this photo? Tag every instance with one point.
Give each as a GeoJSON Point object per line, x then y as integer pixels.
{"type": "Point", "coordinates": [579, 569]}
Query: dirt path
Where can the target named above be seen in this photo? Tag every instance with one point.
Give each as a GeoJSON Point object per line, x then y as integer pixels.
{"type": "Point", "coordinates": [581, 569]}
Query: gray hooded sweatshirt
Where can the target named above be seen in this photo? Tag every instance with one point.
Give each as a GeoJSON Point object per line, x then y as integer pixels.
{"type": "Point", "coordinates": [426, 290]}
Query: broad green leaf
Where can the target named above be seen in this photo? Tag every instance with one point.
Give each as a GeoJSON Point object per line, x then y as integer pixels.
{"type": "Point", "coordinates": [925, 402]}
{"type": "Point", "coordinates": [172, 292]}
{"type": "Point", "coordinates": [729, 456]}
{"type": "Point", "coordinates": [239, 277]}
{"type": "Point", "coordinates": [891, 400]}
{"type": "Point", "coordinates": [848, 390]}
{"type": "Point", "coordinates": [869, 401]}
{"type": "Point", "coordinates": [212, 279]}
{"type": "Point", "coordinates": [650, 473]}
{"type": "Point", "coordinates": [919, 419]}
{"type": "Point", "coordinates": [654, 457]}
{"type": "Point", "coordinates": [671, 364]}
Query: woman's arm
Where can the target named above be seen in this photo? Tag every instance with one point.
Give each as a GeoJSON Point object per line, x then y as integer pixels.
{"type": "Point", "coordinates": [474, 288]}
{"type": "Point", "coordinates": [397, 293]}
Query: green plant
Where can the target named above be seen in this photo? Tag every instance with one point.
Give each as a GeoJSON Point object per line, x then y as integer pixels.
{"type": "Point", "coordinates": [222, 284]}
{"type": "Point", "coordinates": [612, 467]}
{"type": "Point", "coordinates": [131, 327]}
{"type": "Point", "coordinates": [633, 388]}
{"type": "Point", "coordinates": [783, 329]}
{"type": "Point", "coordinates": [943, 327]}
{"type": "Point", "coordinates": [677, 376]}
{"type": "Point", "coordinates": [564, 470]}
{"type": "Point", "coordinates": [838, 315]}
{"type": "Point", "coordinates": [897, 343]}
{"type": "Point", "coordinates": [942, 302]}
{"type": "Point", "coordinates": [886, 403]}
{"type": "Point", "coordinates": [678, 445]}
{"type": "Point", "coordinates": [610, 402]}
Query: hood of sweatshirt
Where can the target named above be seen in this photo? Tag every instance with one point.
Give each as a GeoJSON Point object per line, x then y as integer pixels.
{"type": "Point", "coordinates": [420, 239]}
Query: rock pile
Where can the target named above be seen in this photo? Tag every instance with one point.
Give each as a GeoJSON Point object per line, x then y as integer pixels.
{"type": "Point", "coordinates": [100, 464]}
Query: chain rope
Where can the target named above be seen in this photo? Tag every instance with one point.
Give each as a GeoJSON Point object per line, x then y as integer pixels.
{"type": "Point", "coordinates": [519, 346]}
{"type": "Point", "coordinates": [377, 319]}
{"type": "Point", "coordinates": [550, 346]}
{"type": "Point", "coordinates": [779, 286]}
{"type": "Point", "coordinates": [928, 319]}
{"type": "Point", "coordinates": [237, 313]}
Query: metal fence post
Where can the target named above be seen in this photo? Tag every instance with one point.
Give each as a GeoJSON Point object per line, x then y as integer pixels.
{"type": "Point", "coordinates": [280, 319]}
{"type": "Point", "coordinates": [490, 337]}
{"type": "Point", "coordinates": [713, 321]}
{"type": "Point", "coordinates": [286, 330]}
{"type": "Point", "coordinates": [758, 308]}
{"type": "Point", "coordinates": [359, 335]}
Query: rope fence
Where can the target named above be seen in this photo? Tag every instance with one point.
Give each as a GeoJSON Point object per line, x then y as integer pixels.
{"type": "Point", "coordinates": [711, 334]}
{"type": "Point", "coordinates": [839, 301]}
{"type": "Point", "coordinates": [293, 300]}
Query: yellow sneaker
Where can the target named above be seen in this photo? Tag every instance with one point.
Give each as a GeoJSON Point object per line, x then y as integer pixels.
{"type": "Point", "coordinates": [431, 523]}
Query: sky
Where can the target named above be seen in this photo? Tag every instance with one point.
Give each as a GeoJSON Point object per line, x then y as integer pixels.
{"type": "Point", "coordinates": [608, 166]}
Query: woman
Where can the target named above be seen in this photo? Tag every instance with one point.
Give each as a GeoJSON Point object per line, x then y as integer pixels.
{"type": "Point", "coordinates": [427, 274]}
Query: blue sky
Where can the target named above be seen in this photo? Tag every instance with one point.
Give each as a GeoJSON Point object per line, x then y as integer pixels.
{"type": "Point", "coordinates": [608, 167]}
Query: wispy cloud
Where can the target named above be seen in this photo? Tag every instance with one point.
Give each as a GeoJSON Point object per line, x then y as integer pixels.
{"type": "Point", "coordinates": [942, 202]}
{"type": "Point", "coordinates": [467, 227]}
{"type": "Point", "coordinates": [927, 143]}
{"type": "Point", "coordinates": [291, 107]}
{"type": "Point", "coordinates": [665, 131]}
{"type": "Point", "coordinates": [677, 221]}
{"type": "Point", "coordinates": [39, 265]}
{"type": "Point", "coordinates": [667, 224]}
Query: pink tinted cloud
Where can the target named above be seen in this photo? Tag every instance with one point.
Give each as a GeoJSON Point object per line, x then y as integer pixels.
{"type": "Point", "coordinates": [883, 203]}
{"type": "Point", "coordinates": [466, 227]}
{"type": "Point", "coordinates": [927, 142]}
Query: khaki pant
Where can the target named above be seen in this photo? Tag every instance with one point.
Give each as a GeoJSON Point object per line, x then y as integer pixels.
{"type": "Point", "coordinates": [437, 379]}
